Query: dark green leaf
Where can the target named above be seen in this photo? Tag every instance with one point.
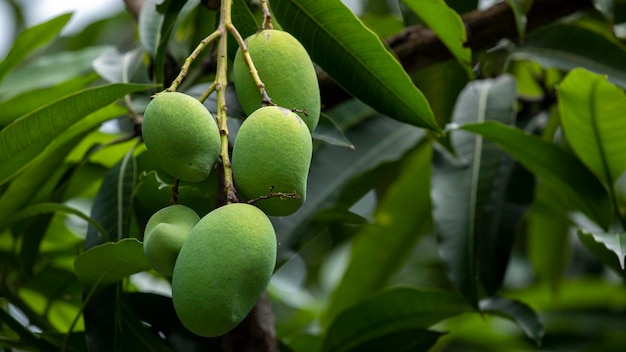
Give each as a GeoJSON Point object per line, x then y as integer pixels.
{"type": "Point", "coordinates": [245, 22]}
{"type": "Point", "coordinates": [590, 108]}
{"type": "Point", "coordinates": [400, 220]}
{"type": "Point", "coordinates": [614, 242]}
{"type": "Point", "coordinates": [30, 40]}
{"type": "Point", "coordinates": [328, 131]}
{"type": "Point", "coordinates": [110, 262]}
{"type": "Point", "coordinates": [463, 190]}
{"type": "Point", "coordinates": [355, 57]}
{"type": "Point", "coordinates": [28, 136]}
{"type": "Point", "coordinates": [560, 171]}
{"type": "Point", "coordinates": [22, 189]}
{"type": "Point", "coordinates": [21, 104]}
{"type": "Point", "coordinates": [400, 341]}
{"type": "Point", "coordinates": [391, 311]}
{"type": "Point", "coordinates": [569, 46]}
{"type": "Point", "coordinates": [112, 206]}
{"type": "Point", "coordinates": [518, 312]}
{"type": "Point", "coordinates": [447, 25]}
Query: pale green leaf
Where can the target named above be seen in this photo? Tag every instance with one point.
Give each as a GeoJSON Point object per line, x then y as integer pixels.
{"type": "Point", "coordinates": [30, 40]}
{"type": "Point", "coordinates": [592, 112]}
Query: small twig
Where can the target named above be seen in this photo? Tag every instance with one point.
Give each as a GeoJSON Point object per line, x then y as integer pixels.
{"type": "Point", "coordinates": [267, 16]}
{"type": "Point", "coordinates": [301, 111]}
{"type": "Point", "coordinates": [208, 92]}
{"type": "Point", "coordinates": [174, 197]}
{"type": "Point", "coordinates": [272, 194]}
{"type": "Point", "coordinates": [265, 99]}
{"type": "Point", "coordinates": [191, 58]}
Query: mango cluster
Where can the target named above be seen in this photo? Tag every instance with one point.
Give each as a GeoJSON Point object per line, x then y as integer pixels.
{"type": "Point", "coordinates": [272, 151]}
{"type": "Point", "coordinates": [221, 263]}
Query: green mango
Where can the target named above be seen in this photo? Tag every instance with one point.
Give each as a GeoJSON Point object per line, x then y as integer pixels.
{"type": "Point", "coordinates": [181, 135]}
{"type": "Point", "coordinates": [165, 234]}
{"type": "Point", "coordinates": [287, 71]}
{"type": "Point", "coordinates": [272, 151]}
{"type": "Point", "coordinates": [223, 268]}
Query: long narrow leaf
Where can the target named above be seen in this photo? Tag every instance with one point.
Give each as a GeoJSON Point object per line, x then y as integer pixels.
{"type": "Point", "coordinates": [27, 137]}
{"type": "Point", "coordinates": [355, 57]}
{"type": "Point", "coordinates": [559, 170]}
{"type": "Point", "coordinates": [379, 249]}
{"type": "Point", "coordinates": [463, 192]}
{"type": "Point", "coordinates": [521, 314]}
{"type": "Point", "coordinates": [30, 40]}
{"type": "Point", "coordinates": [26, 184]}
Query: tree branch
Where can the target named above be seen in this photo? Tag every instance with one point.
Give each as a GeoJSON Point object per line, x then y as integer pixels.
{"type": "Point", "coordinates": [417, 46]}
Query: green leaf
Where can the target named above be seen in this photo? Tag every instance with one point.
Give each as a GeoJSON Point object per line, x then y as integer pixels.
{"type": "Point", "coordinates": [112, 206]}
{"type": "Point", "coordinates": [355, 58]}
{"type": "Point", "coordinates": [568, 46]}
{"type": "Point", "coordinates": [614, 242]}
{"type": "Point", "coordinates": [463, 190]}
{"type": "Point", "coordinates": [26, 102]}
{"type": "Point", "coordinates": [402, 217]}
{"type": "Point", "coordinates": [548, 245]}
{"type": "Point", "coordinates": [116, 67]}
{"type": "Point", "coordinates": [377, 140]}
{"type": "Point", "coordinates": [23, 187]}
{"type": "Point", "coordinates": [516, 311]}
{"type": "Point", "coordinates": [559, 170]}
{"type": "Point", "coordinates": [50, 70]}
{"type": "Point", "coordinates": [447, 25]}
{"type": "Point", "coordinates": [46, 208]}
{"type": "Point", "coordinates": [590, 110]}
{"type": "Point", "coordinates": [30, 40]}
{"type": "Point", "coordinates": [110, 262]}
{"type": "Point", "coordinates": [391, 311]}
{"type": "Point", "coordinates": [328, 131]}
{"type": "Point", "coordinates": [520, 9]}
{"type": "Point", "coordinates": [28, 136]}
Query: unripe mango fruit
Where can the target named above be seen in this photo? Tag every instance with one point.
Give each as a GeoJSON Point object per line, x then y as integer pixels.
{"type": "Point", "coordinates": [286, 70]}
{"type": "Point", "coordinates": [182, 135]}
{"type": "Point", "coordinates": [272, 151]}
{"type": "Point", "coordinates": [223, 268]}
{"type": "Point", "coordinates": [165, 234]}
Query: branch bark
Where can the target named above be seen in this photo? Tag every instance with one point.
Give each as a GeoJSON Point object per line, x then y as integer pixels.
{"type": "Point", "coordinates": [417, 46]}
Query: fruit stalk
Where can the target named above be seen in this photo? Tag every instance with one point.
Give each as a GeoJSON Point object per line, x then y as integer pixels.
{"type": "Point", "coordinates": [221, 84]}
{"type": "Point", "coordinates": [191, 58]}
{"type": "Point", "coordinates": [265, 99]}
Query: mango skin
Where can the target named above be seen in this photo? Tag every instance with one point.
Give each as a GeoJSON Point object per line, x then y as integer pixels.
{"type": "Point", "coordinates": [182, 135]}
{"type": "Point", "coordinates": [272, 148]}
{"type": "Point", "coordinates": [165, 234]}
{"type": "Point", "coordinates": [287, 71]}
{"type": "Point", "coordinates": [223, 268]}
